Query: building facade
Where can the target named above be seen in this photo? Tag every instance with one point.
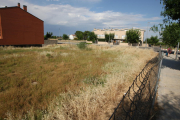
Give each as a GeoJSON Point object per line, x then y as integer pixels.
{"type": "Point", "coordinates": [119, 34]}
{"type": "Point", "coordinates": [19, 27]}
{"type": "Point", "coordinates": [72, 36]}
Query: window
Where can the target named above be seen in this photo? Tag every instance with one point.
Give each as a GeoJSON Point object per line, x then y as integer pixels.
{"type": "Point", "coordinates": [116, 36]}
{"type": "Point", "coordinates": [123, 36]}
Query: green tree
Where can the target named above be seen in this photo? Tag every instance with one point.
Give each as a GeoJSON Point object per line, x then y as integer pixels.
{"type": "Point", "coordinates": [149, 41]}
{"type": "Point", "coordinates": [171, 13]}
{"type": "Point", "coordinates": [171, 34]}
{"type": "Point", "coordinates": [92, 37]}
{"type": "Point", "coordinates": [65, 37]}
{"type": "Point", "coordinates": [106, 37]}
{"type": "Point", "coordinates": [109, 37]}
{"type": "Point", "coordinates": [79, 35]}
{"type": "Point", "coordinates": [171, 10]}
{"type": "Point", "coordinates": [48, 35]}
{"type": "Point", "coordinates": [85, 34]}
{"type": "Point", "coordinates": [133, 36]}
{"type": "Point", "coordinates": [153, 40]}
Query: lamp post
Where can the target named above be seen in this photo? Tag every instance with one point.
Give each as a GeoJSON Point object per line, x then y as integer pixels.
{"type": "Point", "coordinates": [147, 32]}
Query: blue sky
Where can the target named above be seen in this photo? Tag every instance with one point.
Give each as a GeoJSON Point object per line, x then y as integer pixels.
{"type": "Point", "coordinates": [68, 16]}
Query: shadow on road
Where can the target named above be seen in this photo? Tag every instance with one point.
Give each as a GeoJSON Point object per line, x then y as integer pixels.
{"type": "Point", "coordinates": [171, 64]}
{"type": "Point", "coordinates": [171, 107]}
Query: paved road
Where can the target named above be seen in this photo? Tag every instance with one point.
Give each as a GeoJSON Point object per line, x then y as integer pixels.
{"type": "Point", "coordinates": [169, 89]}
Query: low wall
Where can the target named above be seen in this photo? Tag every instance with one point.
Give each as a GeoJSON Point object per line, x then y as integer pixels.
{"type": "Point", "coordinates": [50, 42]}
{"type": "Point", "coordinates": [52, 39]}
{"type": "Point", "coordinates": [88, 41]}
{"type": "Point", "coordinates": [104, 43]}
{"type": "Point", "coordinates": [123, 44]}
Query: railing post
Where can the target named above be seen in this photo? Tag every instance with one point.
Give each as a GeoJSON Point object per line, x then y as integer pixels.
{"type": "Point", "coordinates": [158, 76]}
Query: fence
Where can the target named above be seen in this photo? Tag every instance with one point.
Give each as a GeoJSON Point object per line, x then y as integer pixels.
{"type": "Point", "coordinates": [138, 101]}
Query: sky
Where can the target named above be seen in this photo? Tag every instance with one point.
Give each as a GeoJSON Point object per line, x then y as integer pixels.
{"type": "Point", "coordinates": [68, 16]}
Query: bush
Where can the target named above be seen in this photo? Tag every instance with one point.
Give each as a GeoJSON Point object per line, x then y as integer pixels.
{"type": "Point", "coordinates": [75, 38]}
{"type": "Point", "coordinates": [160, 43]}
{"type": "Point", "coordinates": [82, 45]}
{"type": "Point", "coordinates": [65, 37]}
{"type": "Point", "coordinates": [54, 37]}
{"type": "Point", "coordinates": [102, 40]}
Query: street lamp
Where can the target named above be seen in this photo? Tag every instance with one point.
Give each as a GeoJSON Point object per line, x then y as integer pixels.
{"type": "Point", "coordinates": [147, 33]}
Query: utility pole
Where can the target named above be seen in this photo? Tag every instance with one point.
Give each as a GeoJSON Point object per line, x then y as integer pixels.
{"type": "Point", "coordinates": [109, 35]}
{"type": "Point", "coordinates": [59, 33]}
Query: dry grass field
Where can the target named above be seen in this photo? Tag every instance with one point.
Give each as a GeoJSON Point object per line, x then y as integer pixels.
{"type": "Point", "coordinates": [65, 82]}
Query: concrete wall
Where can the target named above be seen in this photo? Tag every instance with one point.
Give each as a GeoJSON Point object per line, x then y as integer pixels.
{"type": "Point", "coordinates": [88, 41]}
{"type": "Point", "coordinates": [123, 44]}
{"type": "Point", "coordinates": [50, 42]}
{"type": "Point", "coordinates": [20, 27]}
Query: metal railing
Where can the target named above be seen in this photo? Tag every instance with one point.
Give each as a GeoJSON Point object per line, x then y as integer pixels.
{"type": "Point", "coordinates": [138, 101]}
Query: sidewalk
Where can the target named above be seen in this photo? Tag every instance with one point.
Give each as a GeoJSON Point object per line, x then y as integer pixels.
{"type": "Point", "coordinates": [169, 89]}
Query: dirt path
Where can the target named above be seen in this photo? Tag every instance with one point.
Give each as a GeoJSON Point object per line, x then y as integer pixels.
{"type": "Point", "coordinates": [169, 89]}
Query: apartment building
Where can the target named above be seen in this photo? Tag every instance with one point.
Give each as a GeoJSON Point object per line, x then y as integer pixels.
{"type": "Point", "coordinates": [119, 34]}
{"type": "Point", "coordinates": [19, 27]}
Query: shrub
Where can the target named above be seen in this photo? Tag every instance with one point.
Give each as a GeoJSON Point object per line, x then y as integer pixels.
{"type": "Point", "coordinates": [65, 37]}
{"type": "Point", "coordinates": [75, 38]}
{"type": "Point", "coordinates": [82, 45]}
{"type": "Point", "coordinates": [160, 43]}
{"type": "Point", "coordinates": [103, 40]}
{"type": "Point", "coordinates": [49, 55]}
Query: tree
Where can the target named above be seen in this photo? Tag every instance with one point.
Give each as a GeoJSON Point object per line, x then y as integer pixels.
{"type": "Point", "coordinates": [106, 37]}
{"type": "Point", "coordinates": [133, 36]}
{"type": "Point", "coordinates": [79, 35]}
{"type": "Point", "coordinates": [109, 37]}
{"type": "Point", "coordinates": [65, 37]}
{"type": "Point", "coordinates": [48, 35]}
{"type": "Point", "coordinates": [92, 37]}
{"type": "Point", "coordinates": [149, 41]}
{"type": "Point", "coordinates": [171, 34]}
{"type": "Point", "coordinates": [171, 10]}
{"type": "Point", "coordinates": [153, 40]}
{"type": "Point", "coordinates": [85, 34]}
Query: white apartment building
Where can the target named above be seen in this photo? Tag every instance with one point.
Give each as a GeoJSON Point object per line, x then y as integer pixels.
{"type": "Point", "coordinates": [119, 34]}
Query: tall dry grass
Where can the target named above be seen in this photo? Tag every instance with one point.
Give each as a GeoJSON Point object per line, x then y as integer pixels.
{"type": "Point", "coordinates": [99, 102]}
{"type": "Point", "coordinates": [63, 82]}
